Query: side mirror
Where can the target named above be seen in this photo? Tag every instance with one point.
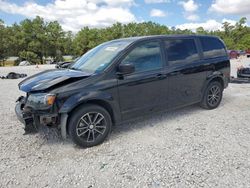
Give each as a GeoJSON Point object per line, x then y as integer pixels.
{"type": "Point", "coordinates": [126, 68]}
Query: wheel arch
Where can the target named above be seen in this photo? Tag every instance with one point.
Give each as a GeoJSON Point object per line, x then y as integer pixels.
{"type": "Point", "coordinates": [203, 103]}
{"type": "Point", "coordinates": [218, 79]}
{"type": "Point", "coordinates": [213, 78]}
{"type": "Point", "coordinates": [98, 102]}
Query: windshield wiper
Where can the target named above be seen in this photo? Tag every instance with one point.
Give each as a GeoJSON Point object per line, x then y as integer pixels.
{"type": "Point", "coordinates": [73, 68]}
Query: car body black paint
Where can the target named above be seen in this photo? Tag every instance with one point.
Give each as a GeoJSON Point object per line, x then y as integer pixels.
{"type": "Point", "coordinates": [45, 80]}
{"type": "Point", "coordinates": [136, 94]}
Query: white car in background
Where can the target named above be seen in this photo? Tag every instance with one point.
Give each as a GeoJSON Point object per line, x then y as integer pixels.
{"type": "Point", "coordinates": [24, 63]}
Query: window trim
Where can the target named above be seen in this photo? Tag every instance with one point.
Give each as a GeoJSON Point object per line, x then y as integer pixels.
{"type": "Point", "coordinates": [202, 50]}
{"type": "Point", "coordinates": [163, 58]}
{"type": "Point", "coordinates": [182, 61]}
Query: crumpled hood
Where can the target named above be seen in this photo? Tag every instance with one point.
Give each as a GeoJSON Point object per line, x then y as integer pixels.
{"type": "Point", "coordinates": [50, 78]}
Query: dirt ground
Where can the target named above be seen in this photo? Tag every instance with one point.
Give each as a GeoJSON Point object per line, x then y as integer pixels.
{"type": "Point", "coordinates": [189, 147]}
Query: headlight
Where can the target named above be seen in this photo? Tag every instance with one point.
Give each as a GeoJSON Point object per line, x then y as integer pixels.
{"type": "Point", "coordinates": [41, 100]}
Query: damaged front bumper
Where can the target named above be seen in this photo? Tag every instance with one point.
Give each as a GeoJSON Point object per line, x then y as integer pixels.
{"type": "Point", "coordinates": [25, 118]}
{"type": "Point", "coordinates": [32, 118]}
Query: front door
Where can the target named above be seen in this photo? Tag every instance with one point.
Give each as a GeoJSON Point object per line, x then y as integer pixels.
{"type": "Point", "coordinates": [143, 91]}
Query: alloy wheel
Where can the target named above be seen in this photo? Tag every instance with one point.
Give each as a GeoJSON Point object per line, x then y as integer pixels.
{"type": "Point", "coordinates": [214, 95]}
{"type": "Point", "coordinates": [90, 126]}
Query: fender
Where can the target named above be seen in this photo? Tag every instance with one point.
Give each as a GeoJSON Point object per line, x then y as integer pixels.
{"type": "Point", "coordinates": [87, 96]}
{"type": "Point", "coordinates": [215, 74]}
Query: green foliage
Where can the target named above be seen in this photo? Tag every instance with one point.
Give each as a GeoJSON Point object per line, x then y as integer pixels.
{"type": "Point", "coordinates": [36, 40]}
{"type": "Point", "coordinates": [3, 42]}
{"type": "Point", "coordinates": [29, 56]}
{"type": "Point", "coordinates": [235, 36]}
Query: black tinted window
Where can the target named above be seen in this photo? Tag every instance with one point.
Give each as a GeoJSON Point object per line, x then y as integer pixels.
{"type": "Point", "coordinates": [212, 47]}
{"type": "Point", "coordinates": [181, 51]}
{"type": "Point", "coordinates": [146, 56]}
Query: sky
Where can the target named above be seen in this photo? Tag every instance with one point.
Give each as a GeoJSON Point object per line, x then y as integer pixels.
{"type": "Point", "coordinates": [75, 14]}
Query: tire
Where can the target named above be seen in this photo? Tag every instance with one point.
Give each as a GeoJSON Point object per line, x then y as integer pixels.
{"type": "Point", "coordinates": [89, 125]}
{"type": "Point", "coordinates": [212, 96]}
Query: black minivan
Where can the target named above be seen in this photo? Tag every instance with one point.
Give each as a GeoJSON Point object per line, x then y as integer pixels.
{"type": "Point", "coordinates": [124, 79]}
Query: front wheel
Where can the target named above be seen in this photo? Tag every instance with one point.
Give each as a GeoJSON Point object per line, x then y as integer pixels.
{"type": "Point", "coordinates": [212, 96]}
{"type": "Point", "coordinates": [89, 125]}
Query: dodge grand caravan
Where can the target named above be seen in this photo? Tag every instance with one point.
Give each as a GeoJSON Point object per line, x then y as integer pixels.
{"type": "Point", "coordinates": [124, 79]}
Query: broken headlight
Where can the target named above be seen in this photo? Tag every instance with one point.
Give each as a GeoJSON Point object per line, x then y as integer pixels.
{"type": "Point", "coordinates": [41, 100]}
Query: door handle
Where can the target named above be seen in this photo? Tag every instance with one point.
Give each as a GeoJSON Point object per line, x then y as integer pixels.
{"type": "Point", "coordinates": [161, 76]}
{"type": "Point", "coordinates": [174, 73]}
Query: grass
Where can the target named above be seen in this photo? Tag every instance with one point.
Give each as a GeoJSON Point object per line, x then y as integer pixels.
{"type": "Point", "coordinates": [67, 59]}
{"type": "Point", "coordinates": [8, 63]}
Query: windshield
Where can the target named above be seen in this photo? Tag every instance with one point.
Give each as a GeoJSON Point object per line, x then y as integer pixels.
{"type": "Point", "coordinates": [97, 59]}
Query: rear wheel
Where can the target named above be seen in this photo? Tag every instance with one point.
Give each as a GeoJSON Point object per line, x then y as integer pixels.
{"type": "Point", "coordinates": [89, 125]}
{"type": "Point", "coordinates": [212, 96]}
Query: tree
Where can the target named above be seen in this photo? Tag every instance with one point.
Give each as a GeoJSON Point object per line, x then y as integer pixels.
{"type": "Point", "coordinates": [54, 37]}
{"type": "Point", "coordinates": [201, 30]}
{"type": "Point", "coordinates": [227, 27]}
{"type": "Point", "coordinates": [88, 38]}
{"type": "Point", "coordinates": [68, 43]}
{"type": "Point", "coordinates": [36, 39]}
{"type": "Point", "coordinates": [245, 42]}
{"type": "Point", "coordinates": [3, 49]}
{"type": "Point", "coordinates": [29, 56]}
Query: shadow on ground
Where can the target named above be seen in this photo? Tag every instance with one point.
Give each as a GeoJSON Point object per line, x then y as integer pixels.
{"type": "Point", "coordinates": [52, 135]}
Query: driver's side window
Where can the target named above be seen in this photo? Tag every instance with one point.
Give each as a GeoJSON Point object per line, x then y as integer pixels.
{"type": "Point", "coordinates": [145, 57]}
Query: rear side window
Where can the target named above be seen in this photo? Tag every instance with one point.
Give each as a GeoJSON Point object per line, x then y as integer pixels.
{"type": "Point", "coordinates": [212, 47]}
{"type": "Point", "coordinates": [181, 51]}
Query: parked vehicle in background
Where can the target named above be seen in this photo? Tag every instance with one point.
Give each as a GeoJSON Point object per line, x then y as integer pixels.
{"type": "Point", "coordinates": [241, 52]}
{"type": "Point", "coordinates": [24, 63]}
{"type": "Point", "coordinates": [124, 79]}
{"type": "Point", "coordinates": [243, 72]}
{"type": "Point", "coordinates": [66, 64]}
{"type": "Point", "coordinates": [233, 54]}
{"type": "Point", "coordinates": [63, 64]}
{"type": "Point", "coordinates": [248, 53]}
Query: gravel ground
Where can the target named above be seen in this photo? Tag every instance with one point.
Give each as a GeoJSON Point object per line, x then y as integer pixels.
{"type": "Point", "coordinates": [190, 147]}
